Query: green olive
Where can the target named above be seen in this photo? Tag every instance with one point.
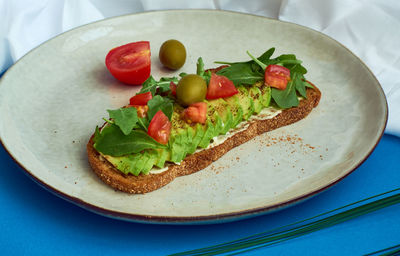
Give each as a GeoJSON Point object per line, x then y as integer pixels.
{"type": "Point", "coordinates": [191, 89]}
{"type": "Point", "coordinates": [172, 54]}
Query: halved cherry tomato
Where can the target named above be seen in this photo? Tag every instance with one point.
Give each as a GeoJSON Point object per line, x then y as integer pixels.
{"type": "Point", "coordinates": [220, 87]}
{"type": "Point", "coordinates": [130, 63]}
{"type": "Point", "coordinates": [196, 113]}
{"type": "Point", "coordinates": [277, 76]}
{"type": "Point", "coordinates": [141, 110]}
{"type": "Point", "coordinates": [140, 99]}
{"type": "Point", "coordinates": [160, 128]}
{"type": "Point", "coordinates": [172, 86]}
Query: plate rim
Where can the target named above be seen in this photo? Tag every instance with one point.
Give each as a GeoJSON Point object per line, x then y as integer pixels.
{"type": "Point", "coordinates": [200, 219]}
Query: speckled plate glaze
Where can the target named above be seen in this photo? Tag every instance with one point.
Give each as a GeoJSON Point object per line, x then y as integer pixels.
{"type": "Point", "coordinates": [52, 99]}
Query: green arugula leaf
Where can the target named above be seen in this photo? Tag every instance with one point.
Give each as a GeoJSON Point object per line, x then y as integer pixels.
{"type": "Point", "coordinates": [151, 85]}
{"type": "Point", "coordinates": [266, 55]}
{"type": "Point", "coordinates": [286, 60]}
{"type": "Point", "coordinates": [286, 98]}
{"type": "Point", "coordinates": [307, 84]}
{"type": "Point", "coordinates": [291, 62]}
{"type": "Point", "coordinates": [142, 123]}
{"type": "Point", "coordinates": [200, 67]}
{"type": "Point", "coordinates": [296, 68]}
{"type": "Point", "coordinates": [124, 118]}
{"type": "Point", "coordinates": [285, 57]}
{"type": "Point", "coordinates": [164, 83]}
{"type": "Point", "coordinates": [260, 63]}
{"type": "Point", "coordinates": [160, 103]}
{"type": "Point", "coordinates": [242, 73]}
{"type": "Point", "coordinates": [248, 72]}
{"type": "Point", "coordinates": [201, 72]}
{"type": "Point", "coordinates": [112, 141]}
{"type": "Point", "coordinates": [96, 133]}
{"type": "Point", "coordinates": [300, 86]}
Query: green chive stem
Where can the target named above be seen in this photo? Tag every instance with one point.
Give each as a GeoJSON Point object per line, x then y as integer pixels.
{"type": "Point", "coordinates": [267, 238]}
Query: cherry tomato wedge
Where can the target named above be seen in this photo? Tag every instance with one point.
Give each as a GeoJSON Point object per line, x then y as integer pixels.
{"type": "Point", "coordinates": [172, 86]}
{"type": "Point", "coordinates": [196, 113]}
{"type": "Point", "coordinates": [140, 99]}
{"type": "Point", "coordinates": [130, 63]}
{"type": "Point", "coordinates": [277, 76]}
{"type": "Point", "coordinates": [220, 87]}
{"type": "Point", "coordinates": [160, 128]}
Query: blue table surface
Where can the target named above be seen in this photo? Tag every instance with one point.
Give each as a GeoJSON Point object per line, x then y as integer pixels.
{"type": "Point", "coordinates": [34, 221]}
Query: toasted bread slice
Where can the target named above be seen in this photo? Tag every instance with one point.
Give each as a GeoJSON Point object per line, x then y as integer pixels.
{"type": "Point", "coordinates": [197, 161]}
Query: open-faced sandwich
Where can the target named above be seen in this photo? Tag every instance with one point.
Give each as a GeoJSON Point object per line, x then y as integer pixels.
{"type": "Point", "coordinates": [178, 126]}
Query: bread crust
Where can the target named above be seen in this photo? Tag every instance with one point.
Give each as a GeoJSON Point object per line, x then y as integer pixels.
{"type": "Point", "coordinates": [197, 161]}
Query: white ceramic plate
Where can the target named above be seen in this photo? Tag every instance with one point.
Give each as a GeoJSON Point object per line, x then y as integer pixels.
{"type": "Point", "coordinates": [53, 98]}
